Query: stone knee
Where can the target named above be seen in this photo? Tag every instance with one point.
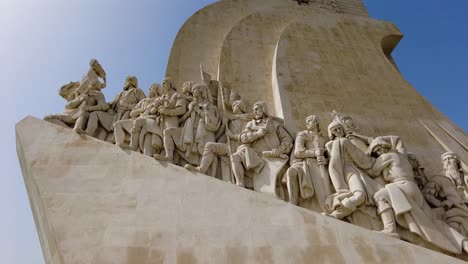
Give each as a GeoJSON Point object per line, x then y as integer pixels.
{"type": "Point", "coordinates": [381, 199]}
{"type": "Point", "coordinates": [210, 148]}
{"type": "Point", "coordinates": [138, 125]}
{"type": "Point", "coordinates": [358, 198]}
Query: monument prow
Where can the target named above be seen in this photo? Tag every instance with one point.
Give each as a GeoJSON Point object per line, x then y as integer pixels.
{"type": "Point", "coordinates": [94, 202]}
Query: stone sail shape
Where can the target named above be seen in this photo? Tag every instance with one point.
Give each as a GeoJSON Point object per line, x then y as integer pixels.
{"type": "Point", "coordinates": [96, 203]}
{"type": "Point", "coordinates": [304, 59]}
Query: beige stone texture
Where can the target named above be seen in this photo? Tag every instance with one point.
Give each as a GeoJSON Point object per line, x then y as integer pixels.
{"type": "Point", "coordinates": [94, 202]}
{"type": "Point", "coordinates": [307, 60]}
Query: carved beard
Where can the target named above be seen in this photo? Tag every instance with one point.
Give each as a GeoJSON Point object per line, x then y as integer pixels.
{"type": "Point", "coordinates": [452, 172]}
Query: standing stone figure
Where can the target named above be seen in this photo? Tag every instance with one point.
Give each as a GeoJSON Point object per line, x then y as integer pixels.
{"type": "Point", "coordinates": [307, 175]}
{"type": "Point", "coordinates": [126, 100]}
{"type": "Point", "coordinates": [235, 125]}
{"type": "Point", "coordinates": [262, 136]}
{"type": "Point", "coordinates": [200, 123]}
{"type": "Point", "coordinates": [143, 113]}
{"type": "Point", "coordinates": [401, 201]}
{"type": "Point", "coordinates": [352, 186]}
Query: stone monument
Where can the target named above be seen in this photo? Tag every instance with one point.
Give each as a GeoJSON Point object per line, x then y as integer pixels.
{"type": "Point", "coordinates": [225, 170]}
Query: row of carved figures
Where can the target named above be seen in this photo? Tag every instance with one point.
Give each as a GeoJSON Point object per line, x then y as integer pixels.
{"type": "Point", "coordinates": [370, 182]}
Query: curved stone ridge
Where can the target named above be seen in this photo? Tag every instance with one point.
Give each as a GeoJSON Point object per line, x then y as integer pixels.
{"type": "Point", "coordinates": [96, 203]}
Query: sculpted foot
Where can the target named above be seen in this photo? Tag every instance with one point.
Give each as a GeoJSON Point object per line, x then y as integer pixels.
{"type": "Point", "coordinates": [79, 130]}
{"type": "Point", "coordinates": [162, 158]}
{"type": "Point", "coordinates": [392, 234]}
{"type": "Point", "coordinates": [341, 212]}
{"type": "Point", "coordinates": [124, 146]}
{"type": "Point", "coordinates": [192, 168]}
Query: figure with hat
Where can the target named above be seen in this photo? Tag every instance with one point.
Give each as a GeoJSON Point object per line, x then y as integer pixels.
{"type": "Point", "coordinates": [402, 202]}
{"type": "Point", "coordinates": [353, 188]}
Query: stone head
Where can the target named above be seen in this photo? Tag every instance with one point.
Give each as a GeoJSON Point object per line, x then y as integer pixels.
{"type": "Point", "coordinates": [335, 130]}
{"type": "Point", "coordinates": [187, 87]}
{"type": "Point", "coordinates": [167, 84]}
{"type": "Point", "coordinates": [154, 90]}
{"type": "Point", "coordinates": [239, 107]}
{"type": "Point", "coordinates": [312, 122]}
{"type": "Point", "coordinates": [93, 63]}
{"type": "Point", "coordinates": [450, 159]}
{"type": "Point", "coordinates": [379, 146]}
{"type": "Point", "coordinates": [200, 91]}
{"type": "Point", "coordinates": [130, 81]}
{"type": "Point", "coordinates": [260, 110]}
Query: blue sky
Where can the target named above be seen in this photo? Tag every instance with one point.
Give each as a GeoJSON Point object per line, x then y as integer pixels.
{"type": "Point", "coordinates": [45, 44]}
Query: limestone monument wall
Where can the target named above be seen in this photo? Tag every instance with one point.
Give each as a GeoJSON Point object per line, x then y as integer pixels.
{"type": "Point", "coordinates": [96, 203]}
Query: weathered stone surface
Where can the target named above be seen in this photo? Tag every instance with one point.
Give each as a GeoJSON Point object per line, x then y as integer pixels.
{"type": "Point", "coordinates": [96, 203]}
{"type": "Point", "coordinates": [307, 60]}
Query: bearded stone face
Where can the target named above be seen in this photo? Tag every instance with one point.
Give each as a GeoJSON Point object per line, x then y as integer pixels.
{"type": "Point", "coordinates": [258, 111]}
{"type": "Point", "coordinates": [450, 161]}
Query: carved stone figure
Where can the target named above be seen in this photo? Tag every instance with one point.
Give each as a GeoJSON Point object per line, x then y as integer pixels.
{"type": "Point", "coordinates": [91, 76]}
{"type": "Point", "coordinates": [74, 94]}
{"type": "Point", "coordinates": [263, 136]}
{"type": "Point", "coordinates": [453, 171]}
{"type": "Point", "coordinates": [447, 194]}
{"type": "Point", "coordinates": [235, 125]}
{"type": "Point", "coordinates": [402, 202]}
{"type": "Point", "coordinates": [353, 187]}
{"type": "Point", "coordinates": [126, 100]}
{"type": "Point", "coordinates": [200, 123]}
{"type": "Point", "coordinates": [351, 130]}
{"type": "Point", "coordinates": [72, 111]}
{"type": "Point", "coordinates": [142, 115]}
{"type": "Point", "coordinates": [307, 175]}
{"type": "Point", "coordinates": [93, 105]}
